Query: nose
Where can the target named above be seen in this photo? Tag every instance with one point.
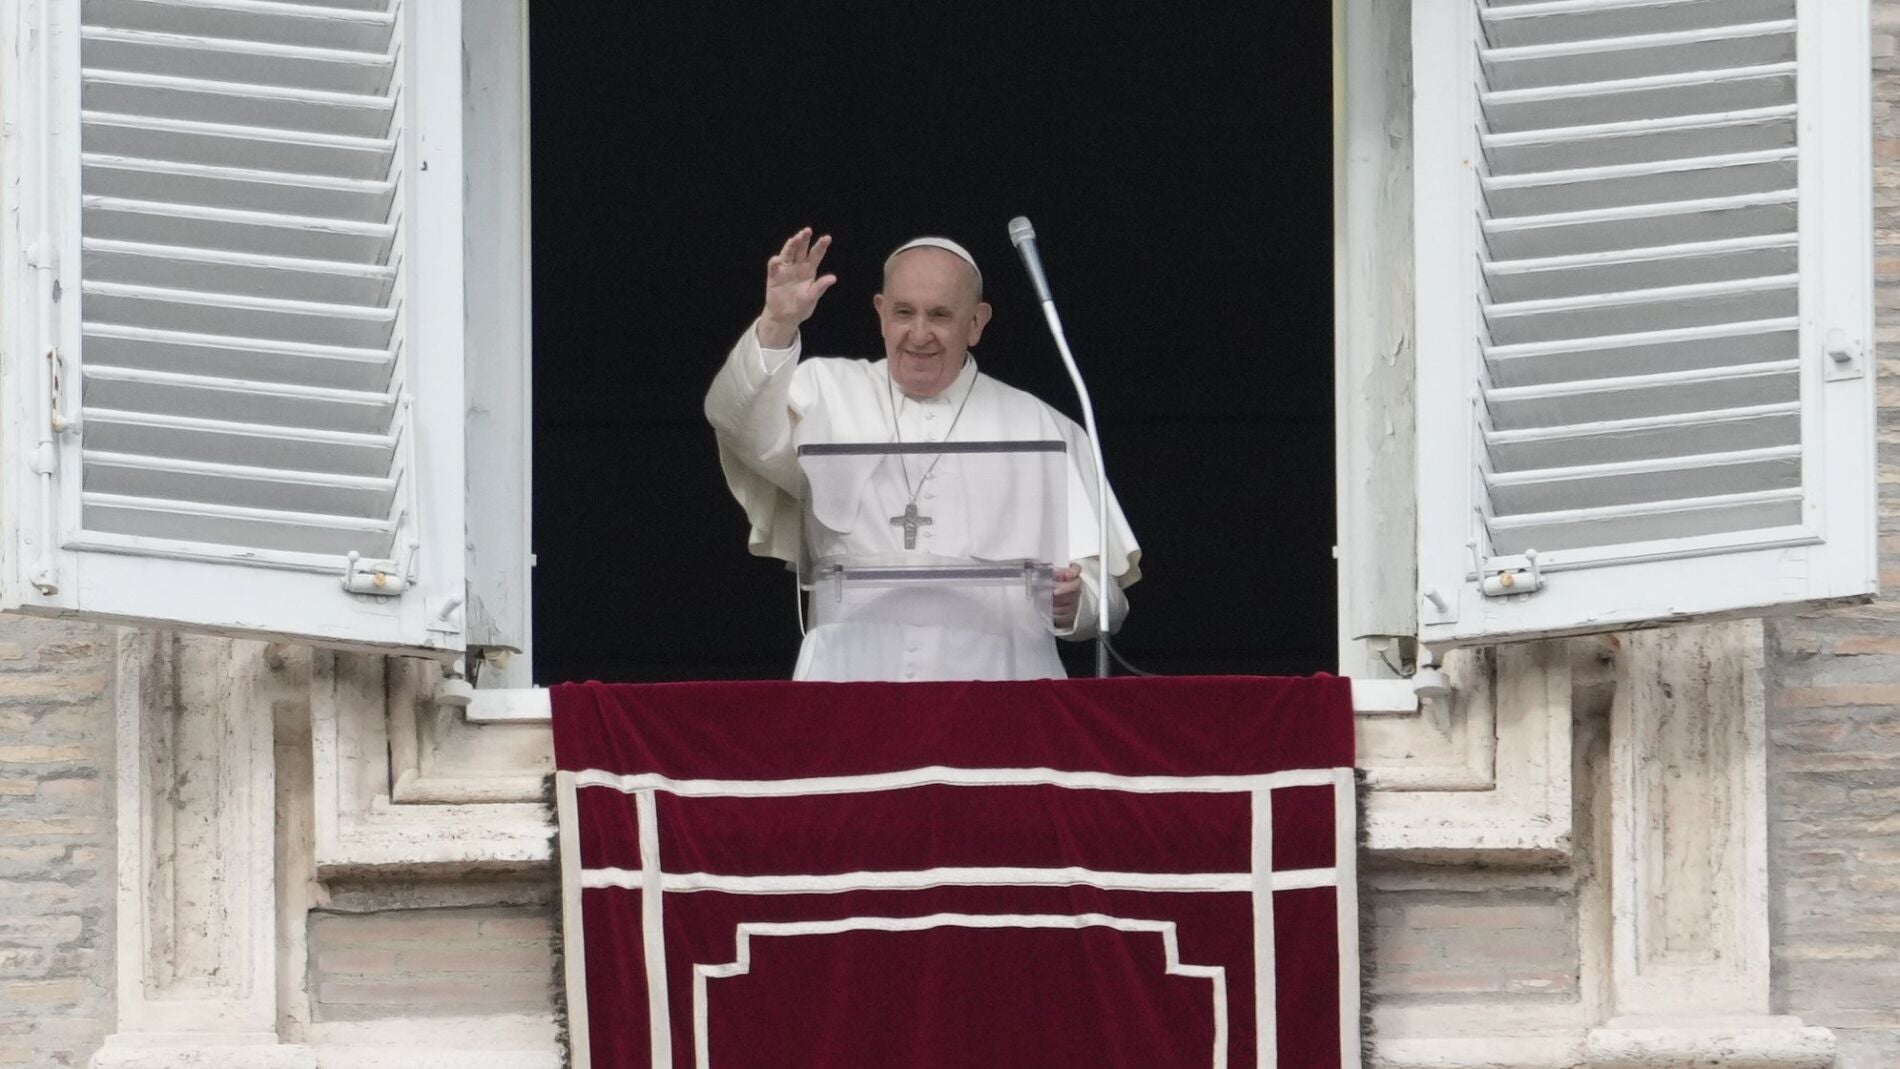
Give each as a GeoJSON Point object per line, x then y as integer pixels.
{"type": "Point", "coordinates": [916, 333]}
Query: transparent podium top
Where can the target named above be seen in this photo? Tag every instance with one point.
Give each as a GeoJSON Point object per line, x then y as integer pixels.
{"type": "Point", "coordinates": [954, 538]}
{"type": "Point", "coordinates": [935, 504]}
{"type": "Point", "coordinates": [962, 534]}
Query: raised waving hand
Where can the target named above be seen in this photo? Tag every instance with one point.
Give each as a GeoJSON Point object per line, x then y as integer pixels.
{"type": "Point", "coordinates": [793, 287]}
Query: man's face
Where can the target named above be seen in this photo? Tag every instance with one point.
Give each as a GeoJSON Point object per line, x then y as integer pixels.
{"type": "Point", "coordinates": [930, 316]}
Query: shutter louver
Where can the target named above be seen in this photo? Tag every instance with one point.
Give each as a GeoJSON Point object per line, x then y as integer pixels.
{"type": "Point", "coordinates": [256, 402]}
{"type": "Point", "coordinates": [1603, 130]}
{"type": "Point", "coordinates": [1636, 349]}
{"type": "Point", "coordinates": [243, 361]}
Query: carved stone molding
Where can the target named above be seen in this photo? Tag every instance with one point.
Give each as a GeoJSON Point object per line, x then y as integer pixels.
{"type": "Point", "coordinates": [401, 787]}
{"type": "Point", "coordinates": [437, 757]}
{"type": "Point", "coordinates": [1447, 744]}
{"type": "Point", "coordinates": [493, 1042]}
{"type": "Point", "coordinates": [197, 909]}
{"type": "Point", "coordinates": [1485, 774]}
{"type": "Point", "coordinates": [1746, 1043]}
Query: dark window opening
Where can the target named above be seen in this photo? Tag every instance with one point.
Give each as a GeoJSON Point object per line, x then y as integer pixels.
{"type": "Point", "coordinates": [1177, 165]}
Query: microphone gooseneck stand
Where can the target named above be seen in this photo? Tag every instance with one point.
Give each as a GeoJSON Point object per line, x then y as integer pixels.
{"type": "Point", "coordinates": [1023, 236]}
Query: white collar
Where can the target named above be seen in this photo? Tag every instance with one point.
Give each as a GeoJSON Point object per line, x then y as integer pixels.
{"type": "Point", "coordinates": [943, 396]}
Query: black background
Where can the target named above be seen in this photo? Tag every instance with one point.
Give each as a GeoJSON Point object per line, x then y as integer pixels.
{"type": "Point", "coordinates": [1176, 162]}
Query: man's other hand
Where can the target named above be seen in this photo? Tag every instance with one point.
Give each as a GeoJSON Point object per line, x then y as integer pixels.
{"type": "Point", "coordinates": [792, 288]}
{"type": "Point", "coordinates": [1068, 595]}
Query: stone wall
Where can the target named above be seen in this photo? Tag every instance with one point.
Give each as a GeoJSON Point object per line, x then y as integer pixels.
{"type": "Point", "coordinates": [1439, 941]}
{"type": "Point", "coordinates": [432, 961]}
{"type": "Point", "coordinates": [1834, 717]}
{"type": "Point", "coordinates": [56, 842]}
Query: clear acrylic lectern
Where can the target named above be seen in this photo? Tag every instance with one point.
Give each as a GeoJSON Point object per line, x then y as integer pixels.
{"type": "Point", "coordinates": [961, 535]}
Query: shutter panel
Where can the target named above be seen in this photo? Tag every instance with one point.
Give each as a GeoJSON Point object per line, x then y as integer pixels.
{"type": "Point", "coordinates": [1644, 311]}
{"type": "Point", "coordinates": [255, 406]}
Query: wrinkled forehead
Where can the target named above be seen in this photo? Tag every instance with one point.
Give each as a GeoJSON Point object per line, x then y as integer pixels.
{"type": "Point", "coordinates": [930, 275]}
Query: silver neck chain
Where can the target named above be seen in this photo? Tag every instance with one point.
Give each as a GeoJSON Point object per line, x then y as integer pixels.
{"type": "Point", "coordinates": [897, 433]}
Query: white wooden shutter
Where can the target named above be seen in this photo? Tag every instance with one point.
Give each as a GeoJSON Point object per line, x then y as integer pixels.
{"type": "Point", "coordinates": [235, 226]}
{"type": "Point", "coordinates": [1644, 311]}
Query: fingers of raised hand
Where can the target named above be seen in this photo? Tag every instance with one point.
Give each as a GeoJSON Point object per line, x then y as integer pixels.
{"type": "Point", "coordinates": [801, 249]}
{"type": "Point", "coordinates": [795, 246]}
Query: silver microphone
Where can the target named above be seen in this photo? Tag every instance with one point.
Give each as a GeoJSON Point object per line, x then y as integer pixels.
{"type": "Point", "coordinates": [1023, 236]}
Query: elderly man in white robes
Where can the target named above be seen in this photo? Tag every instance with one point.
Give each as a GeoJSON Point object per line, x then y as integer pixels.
{"type": "Point", "coordinates": [765, 403]}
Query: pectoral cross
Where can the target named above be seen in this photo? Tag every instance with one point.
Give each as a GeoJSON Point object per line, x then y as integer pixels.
{"type": "Point", "coordinates": [910, 521]}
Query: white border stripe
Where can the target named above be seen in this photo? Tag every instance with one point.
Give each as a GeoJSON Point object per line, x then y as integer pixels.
{"type": "Point", "coordinates": [573, 941]}
{"type": "Point", "coordinates": [653, 931]}
{"type": "Point", "coordinates": [1261, 883]}
{"type": "Point", "coordinates": [1215, 974]}
{"type": "Point", "coordinates": [1345, 860]}
{"type": "Point", "coordinates": [839, 883]}
{"type": "Point", "coordinates": [1266, 1027]}
{"type": "Point", "coordinates": [940, 775]}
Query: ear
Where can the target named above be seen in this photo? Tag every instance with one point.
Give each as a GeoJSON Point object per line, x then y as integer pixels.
{"type": "Point", "coordinates": [877, 302]}
{"type": "Point", "coordinates": [982, 316]}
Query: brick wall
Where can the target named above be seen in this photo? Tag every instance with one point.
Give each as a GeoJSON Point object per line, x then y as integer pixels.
{"type": "Point", "coordinates": [1834, 718]}
{"type": "Point", "coordinates": [56, 853]}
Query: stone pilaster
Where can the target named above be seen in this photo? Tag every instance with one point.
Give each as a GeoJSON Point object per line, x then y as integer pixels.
{"type": "Point", "coordinates": [1688, 860]}
{"type": "Point", "coordinates": [197, 924]}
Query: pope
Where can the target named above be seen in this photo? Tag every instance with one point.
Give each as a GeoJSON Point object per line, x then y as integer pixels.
{"type": "Point", "coordinates": [765, 402]}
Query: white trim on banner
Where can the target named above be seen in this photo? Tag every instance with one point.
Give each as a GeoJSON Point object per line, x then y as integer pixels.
{"type": "Point", "coordinates": [1346, 848]}
{"type": "Point", "coordinates": [573, 946]}
{"type": "Point", "coordinates": [940, 775]}
{"type": "Point", "coordinates": [842, 882]}
{"type": "Point", "coordinates": [653, 930]}
{"type": "Point", "coordinates": [1265, 1010]}
{"type": "Point", "coordinates": [1261, 883]}
{"type": "Point", "coordinates": [1216, 974]}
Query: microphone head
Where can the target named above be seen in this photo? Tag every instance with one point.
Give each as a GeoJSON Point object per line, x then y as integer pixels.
{"type": "Point", "coordinates": [1020, 231]}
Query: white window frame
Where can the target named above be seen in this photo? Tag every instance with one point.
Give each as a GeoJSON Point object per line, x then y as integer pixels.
{"type": "Point", "coordinates": [500, 365]}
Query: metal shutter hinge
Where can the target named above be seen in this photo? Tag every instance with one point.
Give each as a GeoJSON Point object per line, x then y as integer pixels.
{"type": "Point", "coordinates": [42, 254]}
{"type": "Point", "coordinates": [1846, 357]}
{"type": "Point", "coordinates": [445, 614]}
{"type": "Point", "coordinates": [56, 418]}
{"type": "Point", "coordinates": [1507, 576]}
{"type": "Point", "coordinates": [381, 578]}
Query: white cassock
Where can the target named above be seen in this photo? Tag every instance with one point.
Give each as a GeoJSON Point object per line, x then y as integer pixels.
{"type": "Point", "coordinates": [765, 403]}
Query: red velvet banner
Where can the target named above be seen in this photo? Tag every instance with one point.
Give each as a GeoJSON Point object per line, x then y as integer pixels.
{"type": "Point", "coordinates": [1127, 872]}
